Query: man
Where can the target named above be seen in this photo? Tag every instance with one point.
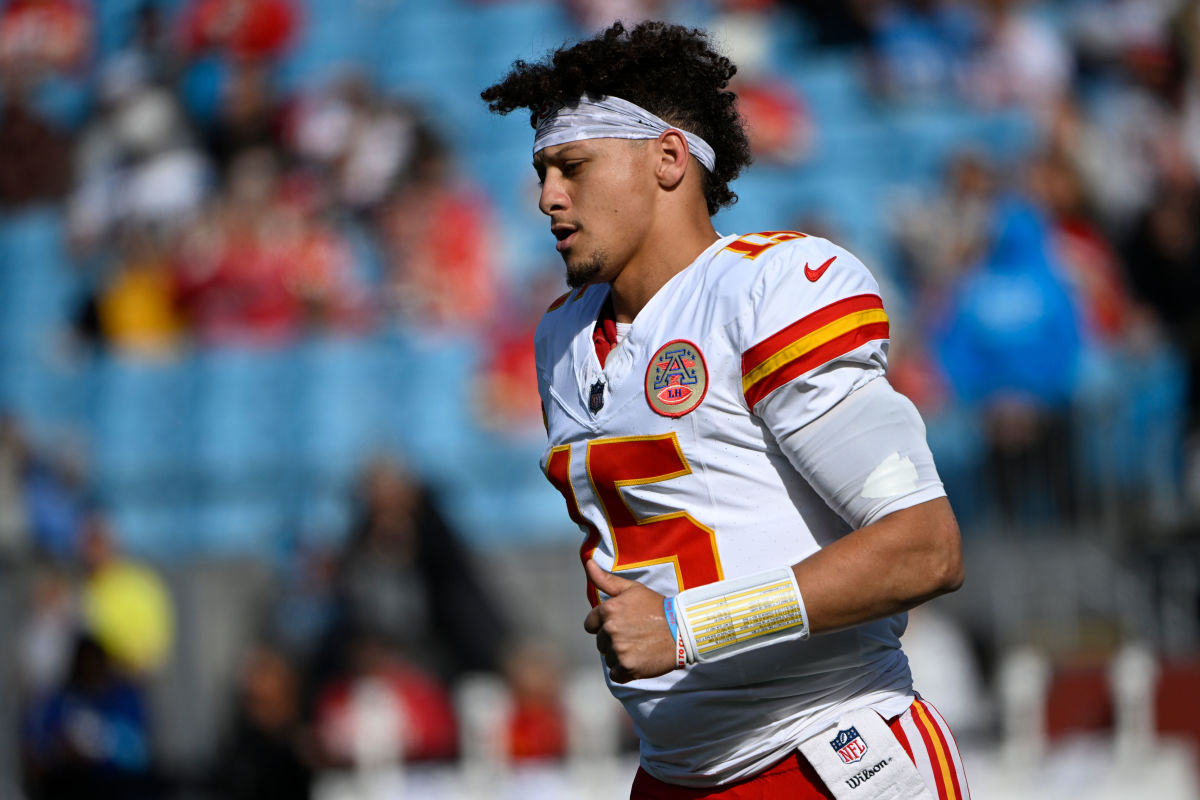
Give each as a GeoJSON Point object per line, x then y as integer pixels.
{"type": "Point", "coordinates": [759, 505]}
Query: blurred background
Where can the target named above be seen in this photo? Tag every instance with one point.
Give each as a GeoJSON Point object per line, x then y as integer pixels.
{"type": "Point", "coordinates": [271, 520]}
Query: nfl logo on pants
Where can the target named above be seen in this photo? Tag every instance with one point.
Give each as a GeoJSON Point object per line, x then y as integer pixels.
{"type": "Point", "coordinates": [849, 746]}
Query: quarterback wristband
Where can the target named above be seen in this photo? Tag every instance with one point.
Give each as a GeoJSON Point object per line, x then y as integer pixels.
{"type": "Point", "coordinates": [732, 616]}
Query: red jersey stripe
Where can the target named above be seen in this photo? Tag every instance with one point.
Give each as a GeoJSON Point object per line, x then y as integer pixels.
{"type": "Point", "coordinates": [811, 359]}
{"type": "Point", "coordinates": [802, 327]}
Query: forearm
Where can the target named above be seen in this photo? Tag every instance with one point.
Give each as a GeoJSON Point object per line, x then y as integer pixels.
{"type": "Point", "coordinates": [892, 565]}
{"type": "Point", "coordinates": [884, 568]}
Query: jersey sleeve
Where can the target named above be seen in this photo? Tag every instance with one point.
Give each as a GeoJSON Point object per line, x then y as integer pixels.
{"type": "Point", "coordinates": [813, 372]}
{"type": "Point", "coordinates": [816, 330]}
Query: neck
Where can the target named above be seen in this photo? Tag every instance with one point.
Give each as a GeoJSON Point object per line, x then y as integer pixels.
{"type": "Point", "coordinates": [670, 248]}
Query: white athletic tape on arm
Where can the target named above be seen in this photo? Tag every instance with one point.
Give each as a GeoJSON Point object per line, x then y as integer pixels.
{"type": "Point", "coordinates": [610, 118]}
{"type": "Point", "coordinates": [732, 616]}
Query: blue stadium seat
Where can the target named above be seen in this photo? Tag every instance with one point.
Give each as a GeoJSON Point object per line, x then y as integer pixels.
{"type": "Point", "coordinates": [503, 32]}
{"type": "Point", "coordinates": [428, 388]}
{"type": "Point", "coordinates": [142, 419]}
{"type": "Point", "coordinates": [245, 406]}
{"type": "Point", "coordinates": [339, 409]}
{"type": "Point", "coordinates": [831, 84]}
{"type": "Point", "coordinates": [505, 497]}
{"type": "Point", "coordinates": [37, 284]}
{"type": "Point", "coordinates": [420, 50]}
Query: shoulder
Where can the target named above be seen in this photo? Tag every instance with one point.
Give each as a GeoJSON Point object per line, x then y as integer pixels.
{"type": "Point", "coordinates": [565, 318]}
{"type": "Point", "coordinates": [806, 303]}
{"type": "Point", "coordinates": [569, 308]}
{"type": "Point", "coordinates": [786, 272]}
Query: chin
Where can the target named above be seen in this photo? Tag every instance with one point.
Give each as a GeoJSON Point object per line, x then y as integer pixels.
{"type": "Point", "coordinates": [584, 272]}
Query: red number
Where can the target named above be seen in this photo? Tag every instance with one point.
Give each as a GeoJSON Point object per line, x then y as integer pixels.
{"type": "Point", "coordinates": [675, 537]}
{"type": "Point", "coordinates": [558, 470]}
{"type": "Point", "coordinates": [752, 246]}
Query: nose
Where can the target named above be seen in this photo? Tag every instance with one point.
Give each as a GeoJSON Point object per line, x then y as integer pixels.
{"type": "Point", "coordinates": [553, 197]}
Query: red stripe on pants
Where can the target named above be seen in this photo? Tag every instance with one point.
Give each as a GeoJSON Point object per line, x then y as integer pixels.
{"type": "Point", "coordinates": [793, 777]}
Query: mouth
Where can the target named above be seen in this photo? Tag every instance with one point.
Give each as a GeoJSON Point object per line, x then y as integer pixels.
{"type": "Point", "coordinates": [565, 234]}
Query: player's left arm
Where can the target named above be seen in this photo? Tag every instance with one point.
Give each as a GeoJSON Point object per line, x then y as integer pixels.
{"type": "Point", "coordinates": [818, 385]}
{"type": "Point", "coordinates": [868, 459]}
{"type": "Point", "coordinates": [892, 565]}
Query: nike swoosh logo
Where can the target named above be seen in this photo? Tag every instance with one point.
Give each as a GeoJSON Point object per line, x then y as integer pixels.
{"type": "Point", "coordinates": [814, 275]}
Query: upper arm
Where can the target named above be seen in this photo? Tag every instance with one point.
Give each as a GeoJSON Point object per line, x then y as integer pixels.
{"type": "Point", "coordinates": [814, 353]}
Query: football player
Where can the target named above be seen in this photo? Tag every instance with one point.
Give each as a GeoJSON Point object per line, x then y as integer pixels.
{"type": "Point", "coordinates": [759, 507]}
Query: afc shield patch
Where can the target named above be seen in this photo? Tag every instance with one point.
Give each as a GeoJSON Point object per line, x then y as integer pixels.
{"type": "Point", "coordinates": [849, 746]}
{"type": "Point", "coordinates": [676, 378]}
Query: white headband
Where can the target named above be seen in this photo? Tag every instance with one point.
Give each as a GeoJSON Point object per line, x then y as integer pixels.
{"type": "Point", "coordinates": [610, 118]}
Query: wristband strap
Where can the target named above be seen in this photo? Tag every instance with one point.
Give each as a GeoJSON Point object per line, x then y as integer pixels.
{"type": "Point", "coordinates": [673, 625]}
{"type": "Point", "coordinates": [740, 614]}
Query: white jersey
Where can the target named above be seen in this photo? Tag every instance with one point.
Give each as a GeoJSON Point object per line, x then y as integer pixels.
{"type": "Point", "coordinates": [670, 460]}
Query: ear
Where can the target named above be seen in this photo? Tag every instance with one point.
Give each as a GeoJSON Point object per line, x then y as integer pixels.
{"type": "Point", "coordinates": [673, 159]}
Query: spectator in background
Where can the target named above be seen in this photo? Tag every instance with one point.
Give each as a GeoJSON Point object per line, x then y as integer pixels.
{"type": "Point", "coordinates": [260, 267]}
{"type": "Point", "coordinates": [136, 161]}
{"type": "Point", "coordinates": [363, 143]}
{"type": "Point", "coordinates": [438, 238]}
{"type": "Point", "coordinates": [506, 399]}
{"type": "Point", "coordinates": [1129, 377]}
{"type": "Point", "coordinates": [241, 30]}
{"type": "Point", "coordinates": [1010, 346]}
{"type": "Point", "coordinates": [1163, 258]}
{"type": "Point", "coordinates": [126, 606]}
{"type": "Point", "coordinates": [250, 116]}
{"type": "Point", "coordinates": [919, 48]}
{"type": "Point", "coordinates": [940, 236]}
{"type": "Point", "coordinates": [55, 484]}
{"type": "Point", "coordinates": [406, 580]}
{"type": "Point", "coordinates": [14, 523]}
{"type": "Point", "coordinates": [134, 310]}
{"type": "Point", "coordinates": [43, 36]}
{"type": "Point", "coordinates": [536, 728]}
{"type": "Point", "coordinates": [1128, 135]}
{"type": "Point", "coordinates": [47, 633]}
{"type": "Point", "coordinates": [383, 710]}
{"type": "Point", "coordinates": [778, 122]}
{"type": "Point", "coordinates": [36, 165]}
{"type": "Point", "coordinates": [89, 738]}
{"type": "Point", "coordinates": [1092, 265]}
{"type": "Point", "coordinates": [1019, 59]}
{"type": "Point", "coordinates": [269, 751]}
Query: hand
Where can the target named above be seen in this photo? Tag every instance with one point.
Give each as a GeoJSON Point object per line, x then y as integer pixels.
{"type": "Point", "coordinates": [630, 627]}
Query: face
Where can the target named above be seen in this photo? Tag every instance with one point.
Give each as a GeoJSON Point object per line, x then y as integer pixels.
{"type": "Point", "coordinates": [597, 194]}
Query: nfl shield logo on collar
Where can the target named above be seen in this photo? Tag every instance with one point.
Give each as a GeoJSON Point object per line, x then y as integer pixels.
{"type": "Point", "coordinates": [849, 746]}
{"type": "Point", "coordinates": [596, 397]}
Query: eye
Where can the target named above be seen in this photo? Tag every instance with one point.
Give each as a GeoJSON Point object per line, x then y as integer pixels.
{"type": "Point", "coordinates": [571, 167]}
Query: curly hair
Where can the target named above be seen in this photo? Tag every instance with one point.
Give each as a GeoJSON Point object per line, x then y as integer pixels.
{"type": "Point", "coordinates": [669, 70]}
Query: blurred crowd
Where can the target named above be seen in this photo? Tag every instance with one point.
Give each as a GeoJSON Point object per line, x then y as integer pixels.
{"type": "Point", "coordinates": [1044, 315]}
{"type": "Point", "coordinates": [349, 661]}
